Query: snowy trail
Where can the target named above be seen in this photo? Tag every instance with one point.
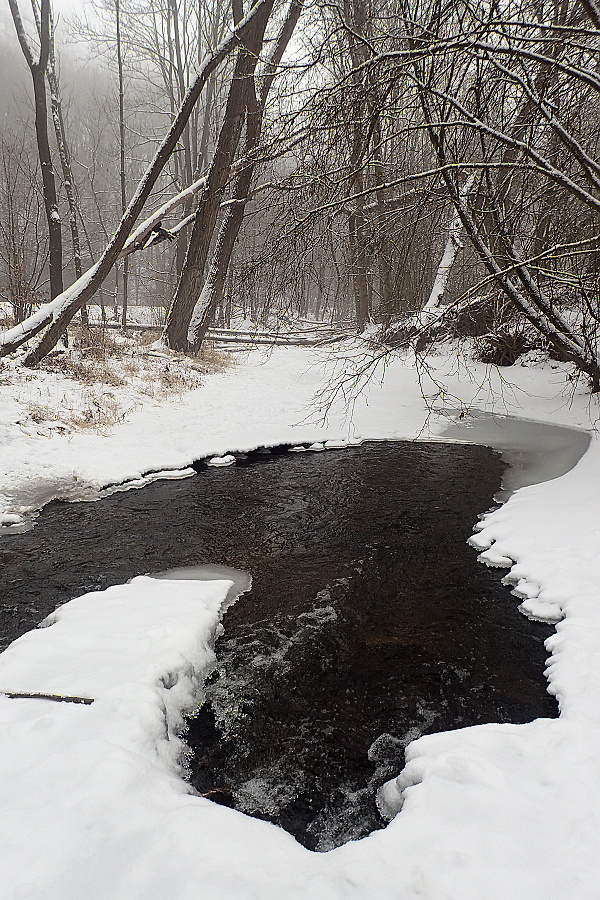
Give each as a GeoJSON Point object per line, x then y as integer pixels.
{"type": "Point", "coordinates": [91, 803]}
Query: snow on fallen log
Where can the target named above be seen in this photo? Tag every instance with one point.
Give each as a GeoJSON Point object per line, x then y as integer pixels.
{"type": "Point", "coordinates": [31, 326]}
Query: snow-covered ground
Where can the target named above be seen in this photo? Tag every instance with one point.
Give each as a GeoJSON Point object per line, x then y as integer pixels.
{"type": "Point", "coordinates": [91, 802]}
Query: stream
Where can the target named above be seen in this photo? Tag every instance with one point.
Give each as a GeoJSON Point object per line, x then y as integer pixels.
{"type": "Point", "coordinates": [369, 621]}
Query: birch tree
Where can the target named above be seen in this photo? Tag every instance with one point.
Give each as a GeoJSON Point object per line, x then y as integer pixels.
{"type": "Point", "coordinates": [453, 246]}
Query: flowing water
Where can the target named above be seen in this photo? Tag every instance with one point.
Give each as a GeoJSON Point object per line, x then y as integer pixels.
{"type": "Point", "coordinates": [369, 621]}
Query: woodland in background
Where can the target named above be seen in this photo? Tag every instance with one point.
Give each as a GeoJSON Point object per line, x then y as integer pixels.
{"type": "Point", "coordinates": [428, 167]}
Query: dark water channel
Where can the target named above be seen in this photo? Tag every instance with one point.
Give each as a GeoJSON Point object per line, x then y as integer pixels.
{"type": "Point", "coordinates": [369, 621]}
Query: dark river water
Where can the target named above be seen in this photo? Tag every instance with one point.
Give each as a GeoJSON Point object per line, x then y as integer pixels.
{"type": "Point", "coordinates": [369, 622]}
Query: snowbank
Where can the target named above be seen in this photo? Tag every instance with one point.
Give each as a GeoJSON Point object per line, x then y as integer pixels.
{"type": "Point", "coordinates": [91, 802]}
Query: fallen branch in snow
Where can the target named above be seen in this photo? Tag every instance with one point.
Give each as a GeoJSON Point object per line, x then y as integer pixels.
{"type": "Point", "coordinates": [59, 698]}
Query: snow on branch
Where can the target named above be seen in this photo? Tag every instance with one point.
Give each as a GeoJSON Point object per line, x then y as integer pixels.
{"type": "Point", "coordinates": [138, 239]}
{"type": "Point", "coordinates": [32, 325]}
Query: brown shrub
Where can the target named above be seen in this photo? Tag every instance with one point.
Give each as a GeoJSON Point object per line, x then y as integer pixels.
{"type": "Point", "coordinates": [88, 371]}
{"type": "Point", "coordinates": [504, 346]}
{"type": "Point", "coordinates": [480, 316]}
{"type": "Point", "coordinates": [213, 360]}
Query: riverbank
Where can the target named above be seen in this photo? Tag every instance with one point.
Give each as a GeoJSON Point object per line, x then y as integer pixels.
{"type": "Point", "coordinates": [492, 811]}
{"type": "Point", "coordinates": [288, 395]}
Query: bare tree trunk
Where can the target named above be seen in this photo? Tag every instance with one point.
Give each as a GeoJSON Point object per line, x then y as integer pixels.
{"type": "Point", "coordinates": [38, 75]}
{"type": "Point", "coordinates": [453, 245]}
{"type": "Point", "coordinates": [526, 297]}
{"type": "Point", "coordinates": [187, 168]}
{"type": "Point", "coordinates": [356, 229]}
{"type": "Point", "coordinates": [356, 18]}
{"type": "Point", "coordinates": [64, 156]}
{"type": "Point", "coordinates": [192, 277]}
{"type": "Point", "coordinates": [212, 291]}
{"type": "Point", "coordinates": [122, 172]}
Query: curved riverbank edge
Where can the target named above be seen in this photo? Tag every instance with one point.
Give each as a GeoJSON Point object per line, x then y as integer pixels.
{"type": "Point", "coordinates": [533, 451]}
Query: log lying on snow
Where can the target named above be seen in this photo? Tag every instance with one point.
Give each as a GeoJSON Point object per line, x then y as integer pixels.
{"type": "Point", "coordinates": [59, 698]}
{"type": "Point", "coordinates": [300, 338]}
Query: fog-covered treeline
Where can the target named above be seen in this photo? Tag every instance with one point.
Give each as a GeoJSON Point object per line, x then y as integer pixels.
{"type": "Point", "coordinates": [344, 161]}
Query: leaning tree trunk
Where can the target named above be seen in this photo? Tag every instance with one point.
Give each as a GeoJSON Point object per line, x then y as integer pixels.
{"type": "Point", "coordinates": [212, 291]}
{"type": "Point", "coordinates": [191, 280]}
{"type": "Point", "coordinates": [526, 296]}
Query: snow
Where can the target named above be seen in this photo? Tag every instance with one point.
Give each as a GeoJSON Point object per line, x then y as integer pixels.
{"type": "Point", "coordinates": [92, 802]}
{"type": "Point", "coordinates": [220, 461]}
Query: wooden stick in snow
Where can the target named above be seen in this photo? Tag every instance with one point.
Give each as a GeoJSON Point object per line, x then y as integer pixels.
{"type": "Point", "coordinates": [59, 698]}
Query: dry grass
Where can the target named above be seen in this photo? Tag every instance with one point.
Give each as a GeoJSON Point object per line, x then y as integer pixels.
{"type": "Point", "coordinates": [5, 373]}
{"type": "Point", "coordinates": [169, 380]}
{"type": "Point", "coordinates": [212, 360]}
{"type": "Point", "coordinates": [97, 342]}
{"type": "Point", "coordinates": [115, 373]}
{"type": "Point", "coordinates": [96, 410]}
{"type": "Point", "coordinates": [146, 337]}
{"type": "Point", "coordinates": [102, 411]}
{"type": "Point", "coordinates": [84, 370]}
{"type": "Point", "coordinates": [39, 413]}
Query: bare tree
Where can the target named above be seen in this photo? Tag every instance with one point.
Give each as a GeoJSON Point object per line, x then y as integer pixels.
{"type": "Point", "coordinates": [60, 132]}
{"type": "Point", "coordinates": [212, 291]}
{"type": "Point", "coordinates": [37, 67]}
{"type": "Point", "coordinates": [23, 244]}
{"type": "Point", "coordinates": [122, 171]}
{"type": "Point", "coordinates": [192, 276]}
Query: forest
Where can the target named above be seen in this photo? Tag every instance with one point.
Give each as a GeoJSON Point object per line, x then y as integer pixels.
{"type": "Point", "coordinates": [418, 170]}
